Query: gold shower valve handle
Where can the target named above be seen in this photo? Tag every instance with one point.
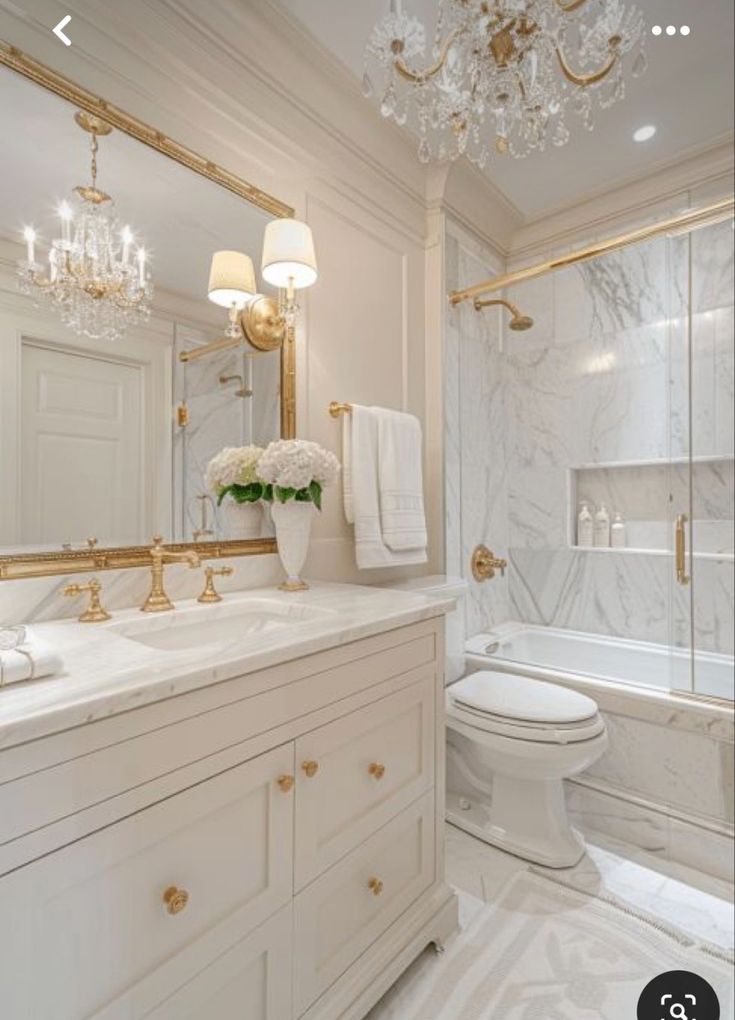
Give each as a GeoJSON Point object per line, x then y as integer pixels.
{"type": "Point", "coordinates": [375, 886]}
{"type": "Point", "coordinates": [286, 783]}
{"type": "Point", "coordinates": [376, 770]}
{"type": "Point", "coordinates": [175, 899]}
{"type": "Point", "coordinates": [485, 564]}
{"type": "Point", "coordinates": [310, 769]}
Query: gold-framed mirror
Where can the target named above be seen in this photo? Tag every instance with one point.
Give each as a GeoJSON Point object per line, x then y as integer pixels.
{"type": "Point", "coordinates": [114, 398]}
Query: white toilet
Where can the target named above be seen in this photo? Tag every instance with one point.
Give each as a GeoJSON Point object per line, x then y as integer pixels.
{"type": "Point", "coordinates": [511, 742]}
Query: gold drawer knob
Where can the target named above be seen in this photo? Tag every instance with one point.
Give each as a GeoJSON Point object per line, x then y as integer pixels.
{"type": "Point", "coordinates": [310, 769]}
{"type": "Point", "coordinates": [286, 783]}
{"type": "Point", "coordinates": [376, 770]}
{"type": "Point", "coordinates": [375, 886]}
{"type": "Point", "coordinates": [175, 899]}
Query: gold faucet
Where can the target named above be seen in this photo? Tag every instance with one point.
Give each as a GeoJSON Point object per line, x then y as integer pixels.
{"type": "Point", "coordinates": [485, 563]}
{"type": "Point", "coordinates": [158, 601]}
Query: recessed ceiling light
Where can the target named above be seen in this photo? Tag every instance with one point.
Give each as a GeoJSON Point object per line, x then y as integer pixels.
{"type": "Point", "coordinates": [644, 133]}
{"type": "Point", "coordinates": [671, 30]}
{"type": "Point", "coordinates": [685, 30]}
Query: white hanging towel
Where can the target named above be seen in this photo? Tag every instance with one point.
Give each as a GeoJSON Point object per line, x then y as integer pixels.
{"type": "Point", "coordinates": [362, 495]}
{"type": "Point", "coordinates": [30, 661]}
{"type": "Point", "coordinates": [400, 480]}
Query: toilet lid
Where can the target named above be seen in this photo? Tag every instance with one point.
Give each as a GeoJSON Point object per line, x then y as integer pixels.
{"type": "Point", "coordinates": [506, 696]}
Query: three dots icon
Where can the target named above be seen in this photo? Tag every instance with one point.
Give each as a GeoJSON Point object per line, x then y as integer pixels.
{"type": "Point", "coordinates": [670, 30]}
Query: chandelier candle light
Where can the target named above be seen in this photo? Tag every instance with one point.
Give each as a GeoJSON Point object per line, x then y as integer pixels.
{"type": "Point", "coordinates": [514, 65]}
{"type": "Point", "coordinates": [94, 280]}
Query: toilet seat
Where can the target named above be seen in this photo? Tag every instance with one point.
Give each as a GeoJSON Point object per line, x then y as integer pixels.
{"type": "Point", "coordinates": [524, 709]}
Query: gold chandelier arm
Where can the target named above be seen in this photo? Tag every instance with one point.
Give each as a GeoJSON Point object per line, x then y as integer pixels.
{"type": "Point", "coordinates": [570, 5]}
{"type": "Point", "coordinates": [590, 79]}
{"type": "Point", "coordinates": [420, 77]}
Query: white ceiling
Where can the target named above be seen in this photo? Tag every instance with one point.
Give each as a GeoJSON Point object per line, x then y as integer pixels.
{"type": "Point", "coordinates": [687, 93]}
{"type": "Point", "coordinates": [180, 217]}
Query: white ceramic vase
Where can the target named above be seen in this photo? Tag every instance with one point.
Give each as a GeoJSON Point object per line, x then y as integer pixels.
{"type": "Point", "coordinates": [293, 528]}
{"type": "Point", "coordinates": [242, 520]}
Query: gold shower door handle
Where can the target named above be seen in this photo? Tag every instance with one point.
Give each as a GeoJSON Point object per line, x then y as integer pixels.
{"type": "Point", "coordinates": [681, 549]}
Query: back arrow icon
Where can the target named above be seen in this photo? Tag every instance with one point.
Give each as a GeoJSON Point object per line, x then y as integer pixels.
{"type": "Point", "coordinates": [59, 30]}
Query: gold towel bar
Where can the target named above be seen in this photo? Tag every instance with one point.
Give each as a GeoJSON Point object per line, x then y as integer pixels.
{"type": "Point", "coordinates": [336, 409]}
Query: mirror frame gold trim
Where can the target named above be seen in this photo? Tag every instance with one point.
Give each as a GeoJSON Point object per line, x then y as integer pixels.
{"type": "Point", "coordinates": [49, 564]}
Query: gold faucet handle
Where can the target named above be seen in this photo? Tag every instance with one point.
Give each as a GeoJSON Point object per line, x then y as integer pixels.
{"type": "Point", "coordinates": [210, 593]}
{"type": "Point", "coordinates": [94, 613]}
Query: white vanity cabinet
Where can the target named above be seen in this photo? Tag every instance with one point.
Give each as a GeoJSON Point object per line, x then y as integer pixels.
{"type": "Point", "coordinates": [265, 848]}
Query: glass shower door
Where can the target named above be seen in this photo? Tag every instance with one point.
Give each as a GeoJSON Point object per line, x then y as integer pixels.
{"type": "Point", "coordinates": [712, 427]}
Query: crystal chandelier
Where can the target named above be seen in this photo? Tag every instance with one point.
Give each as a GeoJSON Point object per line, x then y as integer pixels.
{"type": "Point", "coordinates": [94, 278]}
{"type": "Point", "coordinates": [502, 72]}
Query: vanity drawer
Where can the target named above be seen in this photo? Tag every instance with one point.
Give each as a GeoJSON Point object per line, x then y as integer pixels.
{"type": "Point", "coordinates": [339, 915]}
{"type": "Point", "coordinates": [356, 773]}
{"type": "Point", "coordinates": [102, 913]}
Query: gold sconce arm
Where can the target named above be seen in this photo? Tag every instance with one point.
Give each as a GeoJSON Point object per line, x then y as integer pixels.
{"type": "Point", "coordinates": [583, 80]}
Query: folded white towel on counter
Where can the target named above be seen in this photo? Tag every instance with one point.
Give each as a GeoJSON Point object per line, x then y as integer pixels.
{"type": "Point", "coordinates": [362, 496]}
{"type": "Point", "coordinates": [29, 661]}
{"type": "Point", "coordinates": [400, 480]}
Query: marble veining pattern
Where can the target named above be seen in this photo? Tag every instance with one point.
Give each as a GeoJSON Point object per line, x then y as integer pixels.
{"type": "Point", "coordinates": [603, 378]}
{"type": "Point", "coordinates": [106, 672]}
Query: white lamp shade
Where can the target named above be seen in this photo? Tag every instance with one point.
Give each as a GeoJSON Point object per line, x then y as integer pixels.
{"type": "Point", "coordinates": [231, 279]}
{"type": "Point", "coordinates": [288, 254]}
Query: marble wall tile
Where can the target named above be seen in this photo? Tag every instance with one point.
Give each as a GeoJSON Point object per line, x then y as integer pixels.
{"type": "Point", "coordinates": [713, 280]}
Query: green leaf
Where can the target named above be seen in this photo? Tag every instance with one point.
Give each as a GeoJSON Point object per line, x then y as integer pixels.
{"type": "Point", "coordinates": [283, 495]}
{"type": "Point", "coordinates": [250, 493]}
{"type": "Point", "coordinates": [315, 491]}
{"type": "Point", "coordinates": [222, 494]}
{"type": "Point", "coordinates": [302, 496]}
{"type": "Point", "coordinates": [268, 493]}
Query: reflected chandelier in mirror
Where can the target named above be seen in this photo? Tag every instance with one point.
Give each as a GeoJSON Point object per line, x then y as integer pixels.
{"type": "Point", "coordinates": [93, 282]}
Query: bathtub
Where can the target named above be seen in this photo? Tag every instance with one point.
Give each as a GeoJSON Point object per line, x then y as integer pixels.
{"type": "Point", "coordinates": [554, 654]}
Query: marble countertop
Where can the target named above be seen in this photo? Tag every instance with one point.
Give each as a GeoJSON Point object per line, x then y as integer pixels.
{"type": "Point", "coordinates": [105, 672]}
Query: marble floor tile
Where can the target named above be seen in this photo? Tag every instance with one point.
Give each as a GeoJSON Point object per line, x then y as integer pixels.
{"type": "Point", "coordinates": [677, 897]}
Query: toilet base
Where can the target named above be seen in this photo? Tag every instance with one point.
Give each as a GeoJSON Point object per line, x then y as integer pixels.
{"type": "Point", "coordinates": [473, 816]}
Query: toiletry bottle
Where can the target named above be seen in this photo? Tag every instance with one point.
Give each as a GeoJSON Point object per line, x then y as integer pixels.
{"type": "Point", "coordinates": [617, 532]}
{"type": "Point", "coordinates": [602, 528]}
{"type": "Point", "coordinates": [585, 526]}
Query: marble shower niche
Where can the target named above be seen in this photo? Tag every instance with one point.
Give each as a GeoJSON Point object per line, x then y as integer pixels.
{"type": "Point", "coordinates": [645, 493]}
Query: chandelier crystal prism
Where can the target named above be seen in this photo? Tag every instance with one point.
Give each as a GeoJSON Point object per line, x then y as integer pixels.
{"type": "Point", "coordinates": [501, 74]}
{"type": "Point", "coordinates": [95, 279]}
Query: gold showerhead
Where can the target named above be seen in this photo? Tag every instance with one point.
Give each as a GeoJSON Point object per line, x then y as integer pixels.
{"type": "Point", "coordinates": [518, 322]}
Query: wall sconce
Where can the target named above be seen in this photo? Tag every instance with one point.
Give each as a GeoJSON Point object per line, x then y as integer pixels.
{"type": "Point", "coordinates": [232, 285]}
{"type": "Point", "coordinates": [289, 262]}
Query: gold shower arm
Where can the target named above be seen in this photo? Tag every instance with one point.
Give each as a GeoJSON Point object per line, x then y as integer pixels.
{"type": "Point", "coordinates": [705, 216]}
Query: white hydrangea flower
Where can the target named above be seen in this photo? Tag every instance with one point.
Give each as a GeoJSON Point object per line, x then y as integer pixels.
{"type": "Point", "coordinates": [296, 463]}
{"type": "Point", "coordinates": [234, 465]}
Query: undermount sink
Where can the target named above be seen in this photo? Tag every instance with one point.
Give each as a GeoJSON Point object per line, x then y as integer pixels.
{"type": "Point", "coordinates": [195, 626]}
